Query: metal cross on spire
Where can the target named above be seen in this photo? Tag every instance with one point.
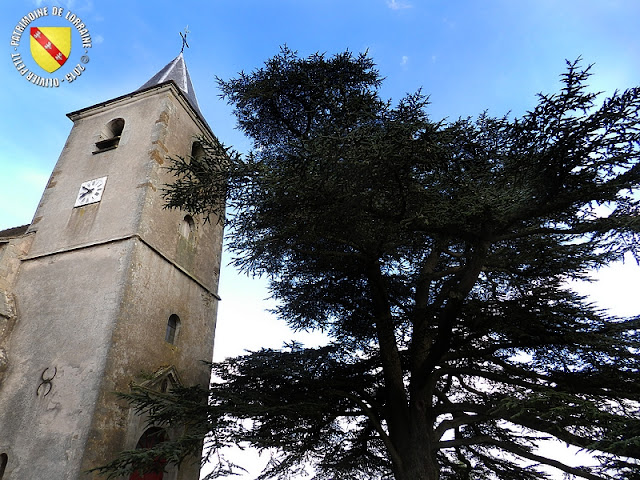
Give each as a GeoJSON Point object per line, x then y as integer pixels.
{"type": "Point", "coordinates": [184, 38]}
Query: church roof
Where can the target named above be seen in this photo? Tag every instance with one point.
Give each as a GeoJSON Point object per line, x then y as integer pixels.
{"type": "Point", "coordinates": [176, 71]}
{"type": "Point", "coordinates": [13, 232]}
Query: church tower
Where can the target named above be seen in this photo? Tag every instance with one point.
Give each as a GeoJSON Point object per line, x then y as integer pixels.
{"type": "Point", "coordinates": [106, 288]}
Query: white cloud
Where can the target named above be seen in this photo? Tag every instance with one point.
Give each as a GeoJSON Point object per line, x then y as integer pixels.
{"type": "Point", "coordinates": [404, 61]}
{"type": "Point", "coordinates": [395, 5]}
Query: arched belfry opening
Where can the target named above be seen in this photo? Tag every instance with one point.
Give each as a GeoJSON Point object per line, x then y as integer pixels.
{"type": "Point", "coordinates": [110, 135]}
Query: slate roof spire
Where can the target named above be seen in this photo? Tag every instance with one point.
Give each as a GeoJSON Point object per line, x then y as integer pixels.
{"type": "Point", "coordinates": [176, 71]}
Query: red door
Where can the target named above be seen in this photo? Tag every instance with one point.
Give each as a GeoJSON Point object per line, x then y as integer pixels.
{"type": "Point", "coordinates": [146, 476]}
{"type": "Point", "coordinates": [150, 438]}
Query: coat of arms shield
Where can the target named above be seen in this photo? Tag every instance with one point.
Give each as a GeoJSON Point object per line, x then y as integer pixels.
{"type": "Point", "coordinates": [50, 46]}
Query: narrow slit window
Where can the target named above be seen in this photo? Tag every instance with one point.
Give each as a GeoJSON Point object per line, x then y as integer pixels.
{"type": "Point", "coordinates": [187, 226]}
{"type": "Point", "coordinates": [197, 151]}
{"type": "Point", "coordinates": [4, 458]}
{"type": "Point", "coordinates": [172, 329]}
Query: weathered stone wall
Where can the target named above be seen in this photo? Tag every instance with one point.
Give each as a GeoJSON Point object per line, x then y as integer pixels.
{"type": "Point", "coordinates": [11, 252]}
{"type": "Point", "coordinates": [154, 291]}
{"type": "Point", "coordinates": [67, 305]}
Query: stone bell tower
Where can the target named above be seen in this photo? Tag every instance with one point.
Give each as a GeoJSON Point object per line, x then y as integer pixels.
{"type": "Point", "coordinates": [105, 286]}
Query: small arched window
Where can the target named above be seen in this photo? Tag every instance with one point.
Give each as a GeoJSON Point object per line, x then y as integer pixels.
{"type": "Point", "coordinates": [110, 135]}
{"type": "Point", "coordinates": [187, 226]}
{"type": "Point", "coordinates": [173, 325]}
{"type": "Point", "coordinates": [4, 458]}
{"type": "Point", "coordinates": [197, 151]}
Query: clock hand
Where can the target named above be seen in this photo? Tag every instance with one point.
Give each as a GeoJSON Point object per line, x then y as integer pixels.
{"type": "Point", "coordinates": [88, 191]}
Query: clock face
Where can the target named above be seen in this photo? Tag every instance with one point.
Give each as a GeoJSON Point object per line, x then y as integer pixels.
{"type": "Point", "coordinates": [90, 191]}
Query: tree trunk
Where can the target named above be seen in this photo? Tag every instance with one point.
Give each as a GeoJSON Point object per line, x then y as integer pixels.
{"type": "Point", "coordinates": [418, 471]}
{"type": "Point", "coordinates": [416, 450]}
{"type": "Point", "coordinates": [417, 465]}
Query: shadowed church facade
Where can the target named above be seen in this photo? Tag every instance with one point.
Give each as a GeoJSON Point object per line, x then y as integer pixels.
{"type": "Point", "coordinates": [104, 286]}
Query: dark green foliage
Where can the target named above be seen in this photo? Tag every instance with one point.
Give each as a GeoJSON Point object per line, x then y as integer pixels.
{"type": "Point", "coordinates": [437, 256]}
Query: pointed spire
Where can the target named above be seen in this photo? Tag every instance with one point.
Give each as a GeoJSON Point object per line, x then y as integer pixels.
{"type": "Point", "coordinates": [176, 71]}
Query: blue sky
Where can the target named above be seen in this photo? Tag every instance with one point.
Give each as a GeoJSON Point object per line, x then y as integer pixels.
{"type": "Point", "coordinates": [469, 56]}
